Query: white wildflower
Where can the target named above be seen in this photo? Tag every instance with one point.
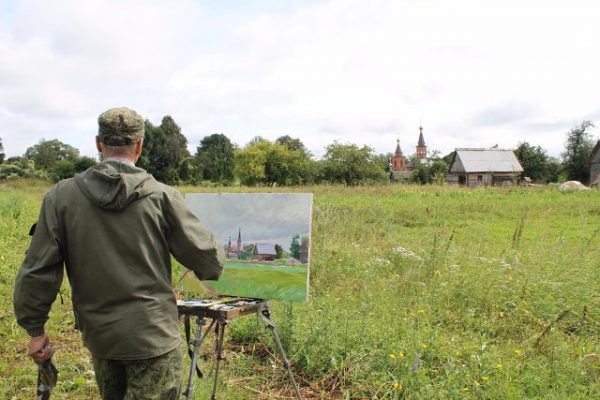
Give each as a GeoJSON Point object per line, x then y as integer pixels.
{"type": "Point", "coordinates": [405, 253]}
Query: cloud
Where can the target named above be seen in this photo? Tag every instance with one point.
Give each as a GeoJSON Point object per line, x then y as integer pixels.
{"type": "Point", "coordinates": [506, 113]}
{"type": "Point", "coordinates": [347, 70]}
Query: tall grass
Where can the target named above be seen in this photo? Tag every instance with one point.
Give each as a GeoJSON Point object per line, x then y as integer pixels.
{"type": "Point", "coordinates": [416, 292]}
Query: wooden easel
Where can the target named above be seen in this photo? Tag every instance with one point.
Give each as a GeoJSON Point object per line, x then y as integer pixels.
{"type": "Point", "coordinates": [220, 312]}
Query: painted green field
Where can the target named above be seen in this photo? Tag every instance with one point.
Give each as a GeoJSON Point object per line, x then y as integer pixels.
{"type": "Point", "coordinates": [259, 281]}
{"type": "Point", "coordinates": [416, 293]}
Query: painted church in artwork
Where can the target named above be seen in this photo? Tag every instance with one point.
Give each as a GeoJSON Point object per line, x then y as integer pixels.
{"type": "Point", "coordinates": [400, 166]}
{"type": "Point", "coordinates": [233, 252]}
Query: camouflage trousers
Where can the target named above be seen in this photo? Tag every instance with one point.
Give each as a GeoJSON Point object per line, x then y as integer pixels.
{"type": "Point", "coordinates": [153, 378]}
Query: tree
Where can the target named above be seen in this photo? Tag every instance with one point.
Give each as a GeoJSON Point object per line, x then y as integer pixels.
{"type": "Point", "coordinates": [176, 141]}
{"type": "Point", "coordinates": [62, 169]}
{"type": "Point", "coordinates": [295, 247]}
{"type": "Point", "coordinates": [292, 144]}
{"type": "Point", "coordinates": [351, 165]}
{"type": "Point", "coordinates": [83, 163]}
{"type": "Point", "coordinates": [420, 173]}
{"type": "Point", "coordinates": [437, 171]}
{"type": "Point", "coordinates": [164, 149]}
{"type": "Point", "coordinates": [262, 162]}
{"type": "Point", "coordinates": [279, 251]}
{"type": "Point", "coordinates": [47, 152]}
{"type": "Point", "coordinates": [215, 156]}
{"type": "Point", "coordinates": [19, 167]}
{"type": "Point", "coordinates": [578, 147]}
{"type": "Point", "coordinates": [535, 162]}
{"type": "Point", "coordinates": [249, 165]}
{"type": "Point", "coordinates": [1, 152]}
{"type": "Point", "coordinates": [247, 253]}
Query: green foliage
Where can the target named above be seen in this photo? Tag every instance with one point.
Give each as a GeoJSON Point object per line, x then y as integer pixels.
{"type": "Point", "coordinates": [84, 162]}
{"type": "Point", "coordinates": [420, 173]}
{"type": "Point", "coordinates": [190, 171]}
{"type": "Point", "coordinates": [1, 152]}
{"type": "Point", "coordinates": [416, 293]}
{"type": "Point", "coordinates": [18, 167]}
{"type": "Point", "coordinates": [295, 247]}
{"type": "Point", "coordinates": [430, 171]}
{"type": "Point", "coordinates": [48, 152]}
{"type": "Point", "coordinates": [247, 253]}
{"type": "Point", "coordinates": [438, 168]}
{"type": "Point", "coordinates": [351, 165]}
{"type": "Point", "coordinates": [292, 144]}
{"type": "Point", "coordinates": [536, 163]}
{"type": "Point", "coordinates": [165, 147]}
{"type": "Point", "coordinates": [578, 147]}
{"type": "Point", "coordinates": [62, 169]}
{"type": "Point", "coordinates": [215, 156]}
{"type": "Point", "coordinates": [262, 162]}
{"type": "Point", "coordinates": [176, 142]}
{"type": "Point", "coordinates": [279, 251]}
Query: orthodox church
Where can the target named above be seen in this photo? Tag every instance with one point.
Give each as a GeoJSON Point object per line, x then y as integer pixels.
{"type": "Point", "coordinates": [400, 167]}
{"type": "Point", "coordinates": [233, 252]}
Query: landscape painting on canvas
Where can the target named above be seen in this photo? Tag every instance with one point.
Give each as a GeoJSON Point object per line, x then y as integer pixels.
{"type": "Point", "coordinates": [266, 237]}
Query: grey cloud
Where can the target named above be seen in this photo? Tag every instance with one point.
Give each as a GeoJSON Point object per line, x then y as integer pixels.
{"type": "Point", "coordinates": [504, 113]}
{"type": "Point", "coordinates": [262, 217]}
{"type": "Point", "coordinates": [330, 130]}
{"type": "Point", "coordinates": [594, 117]}
{"type": "Point", "coordinates": [382, 129]}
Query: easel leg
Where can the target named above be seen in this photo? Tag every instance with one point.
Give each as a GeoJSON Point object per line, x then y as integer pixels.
{"type": "Point", "coordinates": [221, 324]}
{"type": "Point", "coordinates": [266, 317]}
{"type": "Point", "coordinates": [196, 344]}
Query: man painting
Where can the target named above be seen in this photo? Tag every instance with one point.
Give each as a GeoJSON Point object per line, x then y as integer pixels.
{"type": "Point", "coordinates": [114, 228]}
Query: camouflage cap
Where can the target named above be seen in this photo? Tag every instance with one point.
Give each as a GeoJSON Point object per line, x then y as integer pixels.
{"type": "Point", "coordinates": [120, 127]}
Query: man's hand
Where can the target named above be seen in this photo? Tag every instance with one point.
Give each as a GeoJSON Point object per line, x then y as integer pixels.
{"type": "Point", "coordinates": [39, 348]}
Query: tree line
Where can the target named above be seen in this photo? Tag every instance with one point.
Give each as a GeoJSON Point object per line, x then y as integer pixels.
{"type": "Point", "coordinates": [283, 162]}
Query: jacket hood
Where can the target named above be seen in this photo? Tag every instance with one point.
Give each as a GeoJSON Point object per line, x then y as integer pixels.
{"type": "Point", "coordinates": [113, 185]}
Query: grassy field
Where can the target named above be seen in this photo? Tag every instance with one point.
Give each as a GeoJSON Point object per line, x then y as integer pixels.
{"type": "Point", "coordinates": [416, 293]}
{"type": "Point", "coordinates": [262, 281]}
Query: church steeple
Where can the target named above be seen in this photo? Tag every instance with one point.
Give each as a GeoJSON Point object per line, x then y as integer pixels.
{"type": "Point", "coordinates": [398, 162]}
{"type": "Point", "coordinates": [398, 149]}
{"type": "Point", "coordinates": [421, 147]}
{"type": "Point", "coordinates": [239, 240]}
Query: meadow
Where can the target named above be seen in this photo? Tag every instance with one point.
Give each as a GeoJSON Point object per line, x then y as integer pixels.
{"type": "Point", "coordinates": [415, 293]}
{"type": "Point", "coordinates": [262, 281]}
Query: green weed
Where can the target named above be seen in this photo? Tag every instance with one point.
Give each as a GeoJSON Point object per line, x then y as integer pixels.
{"type": "Point", "coordinates": [416, 292]}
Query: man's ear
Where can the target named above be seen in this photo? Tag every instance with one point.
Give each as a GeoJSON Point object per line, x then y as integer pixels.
{"type": "Point", "coordinates": [98, 144]}
{"type": "Point", "coordinates": [138, 149]}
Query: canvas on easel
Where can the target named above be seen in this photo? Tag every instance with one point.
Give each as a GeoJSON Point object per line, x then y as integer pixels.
{"type": "Point", "coordinates": [266, 237]}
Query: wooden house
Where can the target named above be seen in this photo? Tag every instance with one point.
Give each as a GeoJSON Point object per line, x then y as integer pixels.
{"type": "Point", "coordinates": [264, 252]}
{"type": "Point", "coordinates": [484, 167]}
{"type": "Point", "coordinates": [594, 163]}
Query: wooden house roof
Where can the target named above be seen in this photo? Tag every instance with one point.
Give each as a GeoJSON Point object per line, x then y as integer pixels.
{"type": "Point", "coordinates": [265, 249]}
{"type": "Point", "coordinates": [484, 160]}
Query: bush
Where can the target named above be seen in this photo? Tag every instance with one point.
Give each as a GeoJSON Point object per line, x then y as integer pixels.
{"type": "Point", "coordinates": [20, 168]}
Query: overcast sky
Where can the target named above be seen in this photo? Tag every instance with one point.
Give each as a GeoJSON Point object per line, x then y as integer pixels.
{"type": "Point", "coordinates": [260, 217]}
{"type": "Point", "coordinates": [476, 73]}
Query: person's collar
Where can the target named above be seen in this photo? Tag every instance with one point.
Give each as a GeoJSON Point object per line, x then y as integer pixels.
{"type": "Point", "coordinates": [121, 160]}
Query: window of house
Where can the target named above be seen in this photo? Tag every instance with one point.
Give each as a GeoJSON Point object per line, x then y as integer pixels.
{"type": "Point", "coordinates": [479, 177]}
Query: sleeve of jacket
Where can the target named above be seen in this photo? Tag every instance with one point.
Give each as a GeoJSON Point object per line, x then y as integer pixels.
{"type": "Point", "coordinates": [40, 276]}
{"type": "Point", "coordinates": [191, 243]}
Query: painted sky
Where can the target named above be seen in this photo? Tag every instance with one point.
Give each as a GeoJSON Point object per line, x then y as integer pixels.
{"type": "Point", "coordinates": [262, 217]}
{"type": "Point", "coordinates": [476, 73]}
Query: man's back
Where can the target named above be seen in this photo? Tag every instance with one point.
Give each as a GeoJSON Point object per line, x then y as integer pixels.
{"type": "Point", "coordinates": [114, 227]}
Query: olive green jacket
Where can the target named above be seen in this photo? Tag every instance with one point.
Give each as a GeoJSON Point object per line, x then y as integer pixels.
{"type": "Point", "coordinates": [114, 228]}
